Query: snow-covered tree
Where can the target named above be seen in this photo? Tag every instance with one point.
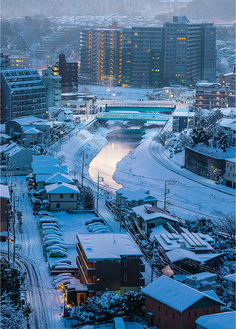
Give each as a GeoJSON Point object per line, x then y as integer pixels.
{"type": "Point", "coordinates": [226, 224]}
{"type": "Point", "coordinates": [87, 197]}
{"type": "Point", "coordinates": [12, 316]}
{"type": "Point", "coordinates": [11, 280]}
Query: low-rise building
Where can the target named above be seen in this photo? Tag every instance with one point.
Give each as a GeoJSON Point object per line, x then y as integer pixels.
{"type": "Point", "coordinates": [225, 320]}
{"type": "Point", "coordinates": [109, 261]}
{"type": "Point", "coordinates": [131, 198]}
{"type": "Point", "coordinates": [171, 304]}
{"type": "Point", "coordinates": [228, 79]}
{"type": "Point", "coordinates": [15, 159]}
{"type": "Point", "coordinates": [32, 136]}
{"type": "Point", "coordinates": [62, 196]}
{"type": "Point", "coordinates": [63, 115]}
{"type": "Point", "coordinates": [211, 95]}
{"type": "Point", "coordinates": [230, 172]}
{"type": "Point", "coordinates": [146, 217]}
{"type": "Point", "coordinates": [230, 288]}
{"type": "Point", "coordinates": [172, 238]}
{"type": "Point", "coordinates": [5, 207]}
{"type": "Point", "coordinates": [229, 127]}
{"type": "Point", "coordinates": [183, 119]}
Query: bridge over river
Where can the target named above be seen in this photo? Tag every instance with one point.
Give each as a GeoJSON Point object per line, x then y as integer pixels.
{"type": "Point", "coordinates": [131, 115]}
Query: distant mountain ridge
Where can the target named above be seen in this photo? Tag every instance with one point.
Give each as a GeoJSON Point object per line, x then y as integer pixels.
{"type": "Point", "coordinates": [200, 9]}
{"type": "Point", "coordinates": [85, 7]}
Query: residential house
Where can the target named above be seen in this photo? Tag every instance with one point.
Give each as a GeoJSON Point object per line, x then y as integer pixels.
{"type": "Point", "coordinates": [109, 261]}
{"type": "Point", "coordinates": [229, 127]}
{"type": "Point", "coordinates": [171, 238]}
{"type": "Point", "coordinates": [32, 136]}
{"type": "Point", "coordinates": [62, 196]}
{"type": "Point", "coordinates": [63, 115]}
{"type": "Point", "coordinates": [130, 198]}
{"type": "Point", "coordinates": [171, 304]}
{"type": "Point", "coordinates": [230, 172]}
{"type": "Point", "coordinates": [5, 207]}
{"type": "Point", "coordinates": [15, 158]}
{"type": "Point", "coordinates": [146, 217]}
{"type": "Point", "coordinates": [230, 288]}
{"type": "Point", "coordinates": [225, 320]}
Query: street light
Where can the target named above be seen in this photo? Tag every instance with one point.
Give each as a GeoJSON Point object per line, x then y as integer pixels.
{"type": "Point", "coordinates": [100, 179]}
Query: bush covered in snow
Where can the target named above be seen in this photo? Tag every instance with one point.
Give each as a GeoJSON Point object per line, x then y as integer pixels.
{"type": "Point", "coordinates": [108, 306]}
{"type": "Point", "coordinates": [178, 141]}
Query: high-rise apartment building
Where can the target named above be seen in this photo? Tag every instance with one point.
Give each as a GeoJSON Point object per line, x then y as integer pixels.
{"type": "Point", "coordinates": [189, 51]}
{"type": "Point", "coordinates": [68, 72]}
{"type": "Point", "coordinates": [101, 55]}
{"type": "Point", "coordinates": [23, 94]}
{"type": "Point", "coordinates": [142, 57]}
{"type": "Point", "coordinates": [177, 53]}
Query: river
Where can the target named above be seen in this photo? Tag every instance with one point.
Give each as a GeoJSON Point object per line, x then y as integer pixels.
{"type": "Point", "coordinates": [120, 144]}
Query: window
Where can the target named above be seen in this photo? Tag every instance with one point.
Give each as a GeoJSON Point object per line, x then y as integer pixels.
{"type": "Point", "coordinates": [166, 312]}
{"type": "Point", "coordinates": [159, 308]}
{"type": "Point", "coordinates": [195, 313]}
{"type": "Point", "coordinates": [189, 314]}
{"type": "Point", "coordinates": [58, 205]}
{"type": "Point", "coordinates": [71, 195]}
{"type": "Point", "coordinates": [125, 263]}
{"type": "Point", "coordinates": [61, 196]}
{"type": "Point", "coordinates": [125, 277]}
{"type": "Point", "coordinates": [173, 315]}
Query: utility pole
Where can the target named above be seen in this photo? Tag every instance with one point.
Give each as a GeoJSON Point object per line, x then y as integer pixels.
{"type": "Point", "coordinates": [82, 174]}
{"type": "Point", "coordinates": [102, 179]}
{"type": "Point", "coordinates": [165, 193]}
{"type": "Point", "coordinates": [14, 230]}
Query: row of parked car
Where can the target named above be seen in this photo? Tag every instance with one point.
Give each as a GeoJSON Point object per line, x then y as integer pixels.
{"type": "Point", "coordinates": [51, 235]}
{"type": "Point", "coordinates": [97, 225]}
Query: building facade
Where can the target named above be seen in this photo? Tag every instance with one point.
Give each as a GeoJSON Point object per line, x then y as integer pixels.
{"type": "Point", "coordinates": [113, 264]}
{"type": "Point", "coordinates": [69, 74]}
{"type": "Point", "coordinates": [211, 95]}
{"type": "Point", "coordinates": [230, 172]}
{"type": "Point", "coordinates": [53, 88]}
{"type": "Point", "coordinates": [178, 52]}
{"type": "Point", "coordinates": [23, 94]}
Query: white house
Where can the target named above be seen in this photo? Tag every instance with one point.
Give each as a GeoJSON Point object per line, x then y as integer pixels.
{"type": "Point", "coordinates": [62, 196]}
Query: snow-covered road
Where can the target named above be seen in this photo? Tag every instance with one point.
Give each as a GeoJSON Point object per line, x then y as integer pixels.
{"type": "Point", "coordinates": [46, 302]}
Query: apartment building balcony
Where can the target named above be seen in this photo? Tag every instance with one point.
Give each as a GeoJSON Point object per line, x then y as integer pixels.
{"type": "Point", "coordinates": [88, 268]}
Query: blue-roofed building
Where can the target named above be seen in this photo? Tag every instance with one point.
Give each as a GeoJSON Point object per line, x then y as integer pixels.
{"type": "Point", "coordinates": [225, 320]}
{"type": "Point", "coordinates": [23, 94]}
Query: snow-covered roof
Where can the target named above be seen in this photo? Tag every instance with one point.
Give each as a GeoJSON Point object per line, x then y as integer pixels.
{"type": "Point", "coordinates": [132, 195]}
{"type": "Point", "coordinates": [183, 112]}
{"type": "Point", "coordinates": [42, 178]}
{"type": "Point", "coordinates": [229, 111]}
{"type": "Point", "coordinates": [61, 188]}
{"type": "Point", "coordinates": [49, 170]}
{"type": "Point", "coordinates": [225, 320]}
{"type": "Point", "coordinates": [32, 131]}
{"type": "Point", "coordinates": [27, 120]}
{"type": "Point", "coordinates": [201, 276]}
{"type": "Point", "coordinates": [231, 160]}
{"type": "Point", "coordinates": [107, 246]}
{"type": "Point", "coordinates": [147, 212]}
{"type": "Point", "coordinates": [228, 123]}
{"type": "Point", "coordinates": [180, 254]}
{"type": "Point", "coordinates": [42, 157]}
{"type": "Point", "coordinates": [175, 294]}
{"type": "Point", "coordinates": [4, 192]}
{"type": "Point", "coordinates": [45, 163]}
{"type": "Point", "coordinates": [230, 277]}
{"type": "Point", "coordinates": [59, 177]}
{"type": "Point", "coordinates": [205, 257]}
{"type": "Point", "coordinates": [11, 149]}
{"type": "Point", "coordinates": [181, 239]}
{"type": "Point", "coordinates": [4, 136]}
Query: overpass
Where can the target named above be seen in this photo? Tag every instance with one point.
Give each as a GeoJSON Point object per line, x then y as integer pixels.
{"type": "Point", "coordinates": [131, 115]}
